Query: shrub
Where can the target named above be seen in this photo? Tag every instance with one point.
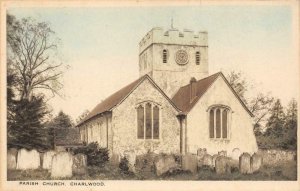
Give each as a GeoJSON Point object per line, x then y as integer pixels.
{"type": "Point", "coordinates": [124, 166]}
{"type": "Point", "coordinates": [96, 156]}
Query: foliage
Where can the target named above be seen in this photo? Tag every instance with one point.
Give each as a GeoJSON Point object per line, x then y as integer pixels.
{"type": "Point", "coordinates": [32, 54]}
{"type": "Point", "coordinates": [281, 130]}
{"type": "Point", "coordinates": [96, 156]}
{"type": "Point", "coordinates": [62, 120]}
{"type": "Point", "coordinates": [124, 165]}
{"type": "Point", "coordinates": [238, 83]}
{"type": "Point", "coordinates": [26, 129]}
{"type": "Point", "coordinates": [82, 116]}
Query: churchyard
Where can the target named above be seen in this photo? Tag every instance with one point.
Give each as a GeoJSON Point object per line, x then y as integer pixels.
{"type": "Point", "coordinates": [51, 165]}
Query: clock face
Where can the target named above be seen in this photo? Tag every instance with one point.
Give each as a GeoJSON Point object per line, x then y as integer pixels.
{"type": "Point", "coordinates": [181, 57]}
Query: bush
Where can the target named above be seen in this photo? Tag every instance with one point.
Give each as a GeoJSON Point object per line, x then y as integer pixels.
{"type": "Point", "coordinates": [96, 156]}
{"type": "Point", "coordinates": [124, 166]}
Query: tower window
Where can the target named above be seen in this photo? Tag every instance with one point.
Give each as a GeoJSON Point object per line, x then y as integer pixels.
{"type": "Point", "coordinates": [165, 56]}
{"type": "Point", "coordinates": [197, 58]}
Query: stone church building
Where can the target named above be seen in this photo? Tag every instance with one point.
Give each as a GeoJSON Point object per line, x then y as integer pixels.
{"type": "Point", "coordinates": [175, 106]}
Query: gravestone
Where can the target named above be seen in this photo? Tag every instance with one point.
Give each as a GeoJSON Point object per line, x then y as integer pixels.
{"type": "Point", "coordinates": [244, 163]}
{"type": "Point", "coordinates": [236, 153]}
{"type": "Point", "coordinates": [256, 162]}
{"type": "Point", "coordinates": [47, 159]}
{"type": "Point", "coordinates": [190, 162]}
{"type": "Point", "coordinates": [79, 164]}
{"type": "Point", "coordinates": [221, 165]}
{"type": "Point", "coordinates": [12, 158]}
{"type": "Point", "coordinates": [28, 159]}
{"type": "Point", "coordinates": [214, 157]}
{"type": "Point", "coordinates": [61, 166]}
{"type": "Point", "coordinates": [115, 159]}
{"type": "Point", "coordinates": [131, 157]}
{"type": "Point", "coordinates": [200, 155]}
{"type": "Point", "coordinates": [207, 160]}
{"type": "Point", "coordinates": [164, 163]}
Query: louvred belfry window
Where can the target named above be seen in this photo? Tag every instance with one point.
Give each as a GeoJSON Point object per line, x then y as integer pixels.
{"type": "Point", "coordinates": [218, 122]}
{"type": "Point", "coordinates": [148, 123]}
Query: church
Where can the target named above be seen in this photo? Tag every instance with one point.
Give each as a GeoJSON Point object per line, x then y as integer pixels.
{"type": "Point", "coordinates": [175, 106]}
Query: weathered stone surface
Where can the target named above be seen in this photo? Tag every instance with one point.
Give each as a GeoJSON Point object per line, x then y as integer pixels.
{"type": "Point", "coordinates": [236, 153]}
{"type": "Point", "coordinates": [12, 158]}
{"type": "Point", "coordinates": [146, 163]}
{"type": "Point", "coordinates": [274, 156]}
{"type": "Point", "coordinates": [190, 162]}
{"type": "Point", "coordinates": [208, 160]}
{"type": "Point", "coordinates": [79, 164]}
{"type": "Point", "coordinates": [28, 159]}
{"type": "Point", "coordinates": [221, 165]}
{"type": "Point", "coordinates": [115, 159]}
{"type": "Point", "coordinates": [164, 163]}
{"type": "Point", "coordinates": [61, 166]}
{"type": "Point", "coordinates": [131, 157]}
{"type": "Point", "coordinates": [244, 163]}
{"type": "Point", "coordinates": [200, 155]}
{"type": "Point", "coordinates": [222, 153]}
{"type": "Point", "coordinates": [256, 162]}
{"type": "Point", "coordinates": [47, 159]}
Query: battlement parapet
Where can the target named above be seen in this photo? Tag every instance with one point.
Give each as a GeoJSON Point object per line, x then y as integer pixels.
{"type": "Point", "coordinates": [173, 36]}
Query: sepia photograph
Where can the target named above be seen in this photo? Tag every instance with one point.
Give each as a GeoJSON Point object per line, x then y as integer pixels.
{"type": "Point", "coordinates": [97, 94]}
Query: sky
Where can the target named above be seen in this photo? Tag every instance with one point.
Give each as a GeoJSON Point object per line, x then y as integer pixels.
{"type": "Point", "coordinates": [100, 45]}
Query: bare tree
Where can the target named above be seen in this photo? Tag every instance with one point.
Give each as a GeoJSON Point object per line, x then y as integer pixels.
{"type": "Point", "coordinates": [32, 52]}
{"type": "Point", "coordinates": [259, 105]}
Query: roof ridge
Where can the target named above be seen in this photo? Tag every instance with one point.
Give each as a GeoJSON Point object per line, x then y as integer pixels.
{"type": "Point", "coordinates": [218, 73]}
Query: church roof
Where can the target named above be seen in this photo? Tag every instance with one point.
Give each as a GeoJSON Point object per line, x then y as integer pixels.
{"type": "Point", "coordinates": [182, 98]}
{"type": "Point", "coordinates": [109, 103]}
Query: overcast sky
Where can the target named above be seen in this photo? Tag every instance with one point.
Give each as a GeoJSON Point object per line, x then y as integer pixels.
{"type": "Point", "coordinates": [101, 46]}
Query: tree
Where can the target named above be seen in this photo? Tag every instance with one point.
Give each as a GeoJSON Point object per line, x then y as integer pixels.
{"type": "Point", "coordinates": [276, 121]}
{"type": "Point", "coordinates": [32, 54]}
{"type": "Point", "coordinates": [259, 105]}
{"type": "Point", "coordinates": [62, 120]}
{"type": "Point", "coordinates": [239, 84]}
{"type": "Point", "coordinates": [82, 116]}
{"type": "Point", "coordinates": [26, 130]}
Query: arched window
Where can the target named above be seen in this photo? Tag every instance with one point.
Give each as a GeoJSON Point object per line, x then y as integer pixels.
{"type": "Point", "coordinates": [197, 58]}
{"type": "Point", "coordinates": [140, 122]}
{"type": "Point", "coordinates": [148, 121]}
{"type": "Point", "coordinates": [218, 122]}
{"type": "Point", "coordinates": [165, 56]}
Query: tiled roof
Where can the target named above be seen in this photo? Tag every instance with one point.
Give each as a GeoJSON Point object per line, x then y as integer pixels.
{"type": "Point", "coordinates": [182, 98]}
{"type": "Point", "coordinates": [117, 97]}
{"type": "Point", "coordinates": [67, 136]}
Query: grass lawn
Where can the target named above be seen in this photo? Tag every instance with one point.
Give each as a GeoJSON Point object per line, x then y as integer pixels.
{"type": "Point", "coordinates": [281, 171]}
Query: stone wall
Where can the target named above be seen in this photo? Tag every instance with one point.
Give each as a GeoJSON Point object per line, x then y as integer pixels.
{"type": "Point", "coordinates": [124, 123]}
{"type": "Point", "coordinates": [275, 156]}
{"type": "Point", "coordinates": [240, 128]}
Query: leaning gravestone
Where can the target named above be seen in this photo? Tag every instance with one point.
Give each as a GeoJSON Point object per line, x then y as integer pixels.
{"type": "Point", "coordinates": [12, 158]}
{"type": "Point", "coordinates": [61, 166]}
{"type": "Point", "coordinates": [164, 163]}
{"type": "Point", "coordinates": [256, 161]}
{"type": "Point", "coordinates": [221, 165]}
{"type": "Point", "coordinates": [244, 163]}
{"type": "Point", "coordinates": [131, 157]}
{"type": "Point", "coordinates": [28, 159]}
{"type": "Point", "coordinates": [47, 159]}
{"type": "Point", "coordinates": [190, 162]}
{"type": "Point", "coordinates": [207, 160]}
{"type": "Point", "coordinates": [79, 164]}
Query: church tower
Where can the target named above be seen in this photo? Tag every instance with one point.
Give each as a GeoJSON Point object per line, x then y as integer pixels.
{"type": "Point", "coordinates": [171, 58]}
